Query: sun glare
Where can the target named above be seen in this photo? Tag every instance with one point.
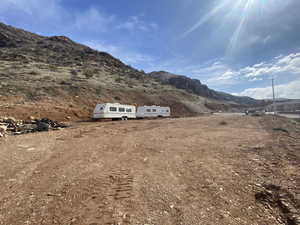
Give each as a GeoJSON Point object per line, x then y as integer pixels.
{"type": "Point", "coordinates": [239, 11]}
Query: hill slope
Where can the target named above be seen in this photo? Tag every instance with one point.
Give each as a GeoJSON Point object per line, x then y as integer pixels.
{"type": "Point", "coordinates": [57, 77]}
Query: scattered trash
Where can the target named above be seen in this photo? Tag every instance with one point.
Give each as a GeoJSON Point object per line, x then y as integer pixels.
{"type": "Point", "coordinates": [3, 129]}
{"type": "Point", "coordinates": [10, 125]}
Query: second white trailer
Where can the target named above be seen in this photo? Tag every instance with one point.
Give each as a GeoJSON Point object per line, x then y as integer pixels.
{"type": "Point", "coordinates": [153, 111]}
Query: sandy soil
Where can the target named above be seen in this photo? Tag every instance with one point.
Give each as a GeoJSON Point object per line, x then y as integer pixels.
{"type": "Point", "coordinates": [204, 170]}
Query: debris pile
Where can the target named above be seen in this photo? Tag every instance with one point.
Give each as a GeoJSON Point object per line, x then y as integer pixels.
{"type": "Point", "coordinates": [9, 125]}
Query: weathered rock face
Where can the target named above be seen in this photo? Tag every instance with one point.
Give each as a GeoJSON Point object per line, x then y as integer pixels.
{"type": "Point", "coordinates": [191, 85]}
{"type": "Point", "coordinates": [196, 87]}
{"type": "Point", "coordinates": [182, 82]}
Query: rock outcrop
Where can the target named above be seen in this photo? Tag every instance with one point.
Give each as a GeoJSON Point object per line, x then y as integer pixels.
{"type": "Point", "coordinates": [196, 87]}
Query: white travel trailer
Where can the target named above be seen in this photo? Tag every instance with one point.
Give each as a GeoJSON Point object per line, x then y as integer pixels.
{"type": "Point", "coordinates": [153, 111]}
{"type": "Point", "coordinates": [114, 111]}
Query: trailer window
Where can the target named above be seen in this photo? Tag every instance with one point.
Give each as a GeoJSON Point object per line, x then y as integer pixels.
{"type": "Point", "coordinates": [128, 110]}
{"type": "Point", "coordinates": [167, 110]}
{"type": "Point", "coordinates": [148, 110]}
{"type": "Point", "coordinates": [113, 109]}
{"type": "Point", "coordinates": [121, 109]}
{"type": "Point", "coordinates": [153, 110]}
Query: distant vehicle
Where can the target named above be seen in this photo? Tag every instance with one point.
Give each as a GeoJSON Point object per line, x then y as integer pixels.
{"type": "Point", "coordinates": [271, 113]}
{"type": "Point", "coordinates": [253, 112]}
{"type": "Point", "coordinates": [153, 111]}
{"type": "Point", "coordinates": [114, 111]}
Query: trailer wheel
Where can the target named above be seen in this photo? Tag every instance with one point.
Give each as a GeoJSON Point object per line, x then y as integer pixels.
{"type": "Point", "coordinates": [124, 118]}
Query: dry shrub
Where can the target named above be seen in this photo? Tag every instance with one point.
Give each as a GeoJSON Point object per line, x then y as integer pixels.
{"type": "Point", "coordinates": [223, 123]}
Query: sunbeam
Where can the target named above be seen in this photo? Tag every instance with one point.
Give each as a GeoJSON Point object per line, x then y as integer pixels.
{"type": "Point", "coordinates": [206, 17]}
{"type": "Point", "coordinates": [244, 16]}
{"type": "Point", "coordinates": [229, 12]}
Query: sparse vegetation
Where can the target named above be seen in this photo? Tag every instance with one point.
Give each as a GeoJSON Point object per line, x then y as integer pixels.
{"type": "Point", "coordinates": [64, 82]}
{"type": "Point", "coordinates": [223, 123]}
{"type": "Point", "coordinates": [34, 72]}
{"type": "Point", "coordinates": [118, 80]}
{"type": "Point", "coordinates": [281, 129]}
{"type": "Point", "coordinates": [88, 73]}
{"type": "Point", "coordinates": [74, 72]}
{"type": "Point", "coordinates": [53, 68]}
{"type": "Point", "coordinates": [297, 120]}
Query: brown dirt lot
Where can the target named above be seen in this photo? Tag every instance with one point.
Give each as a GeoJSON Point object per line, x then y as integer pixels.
{"type": "Point", "coordinates": [203, 170]}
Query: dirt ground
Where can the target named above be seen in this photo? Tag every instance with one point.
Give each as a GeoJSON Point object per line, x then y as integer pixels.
{"type": "Point", "coordinates": [202, 170]}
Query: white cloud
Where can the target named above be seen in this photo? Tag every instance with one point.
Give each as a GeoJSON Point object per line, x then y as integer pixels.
{"type": "Point", "coordinates": [279, 66]}
{"type": "Point", "coordinates": [93, 20]}
{"type": "Point", "coordinates": [135, 23]}
{"type": "Point", "coordinates": [215, 74]}
{"type": "Point", "coordinates": [290, 90]}
{"type": "Point", "coordinates": [52, 13]}
{"type": "Point", "coordinates": [125, 55]}
{"type": "Point", "coordinates": [39, 10]}
{"type": "Point", "coordinates": [219, 75]}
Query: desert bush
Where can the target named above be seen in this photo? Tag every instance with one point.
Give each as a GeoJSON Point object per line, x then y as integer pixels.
{"type": "Point", "coordinates": [63, 82]}
{"type": "Point", "coordinates": [53, 68]}
{"type": "Point", "coordinates": [88, 73]}
{"type": "Point", "coordinates": [297, 120]}
{"type": "Point", "coordinates": [74, 72]}
{"type": "Point", "coordinates": [47, 78]}
{"type": "Point", "coordinates": [118, 80]}
{"type": "Point", "coordinates": [98, 90]}
{"type": "Point", "coordinates": [34, 72]}
{"type": "Point", "coordinates": [281, 129]}
{"type": "Point", "coordinates": [223, 123]}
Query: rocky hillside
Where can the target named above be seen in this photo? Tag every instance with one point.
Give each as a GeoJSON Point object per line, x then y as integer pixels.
{"type": "Point", "coordinates": [59, 78]}
{"type": "Point", "coordinates": [196, 87]}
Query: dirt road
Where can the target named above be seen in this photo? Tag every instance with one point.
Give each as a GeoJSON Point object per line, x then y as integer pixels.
{"type": "Point", "coordinates": [204, 170]}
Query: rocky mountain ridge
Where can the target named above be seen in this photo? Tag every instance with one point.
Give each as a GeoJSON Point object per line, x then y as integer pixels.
{"type": "Point", "coordinates": [57, 78]}
{"type": "Point", "coordinates": [196, 87]}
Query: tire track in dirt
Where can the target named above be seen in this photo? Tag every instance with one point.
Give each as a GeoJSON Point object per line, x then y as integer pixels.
{"type": "Point", "coordinates": [108, 200]}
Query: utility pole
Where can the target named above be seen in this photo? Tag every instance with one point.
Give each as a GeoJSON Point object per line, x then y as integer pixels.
{"type": "Point", "coordinates": [273, 89]}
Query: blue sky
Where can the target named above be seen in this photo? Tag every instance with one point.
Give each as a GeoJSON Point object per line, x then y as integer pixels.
{"type": "Point", "coordinates": [235, 46]}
